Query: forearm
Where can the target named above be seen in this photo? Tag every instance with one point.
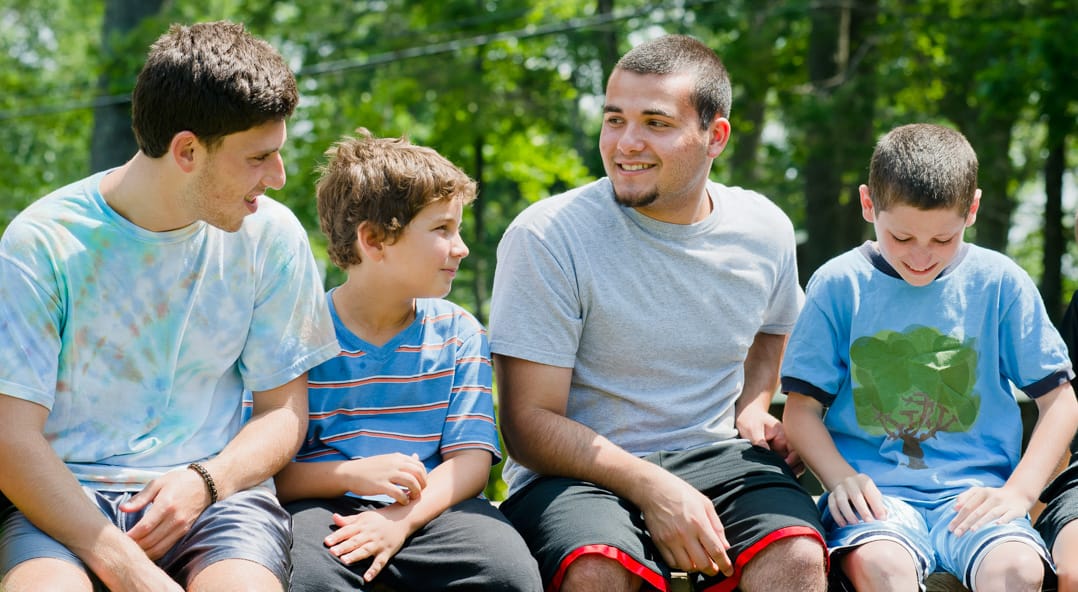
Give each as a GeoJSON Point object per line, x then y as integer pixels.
{"type": "Point", "coordinates": [34, 478]}
{"type": "Point", "coordinates": [762, 365]}
{"type": "Point", "coordinates": [266, 443]}
{"type": "Point", "coordinates": [460, 477]}
{"type": "Point", "coordinates": [1048, 444]}
{"type": "Point", "coordinates": [552, 444]}
{"type": "Point", "coordinates": [303, 480]}
{"type": "Point", "coordinates": [809, 436]}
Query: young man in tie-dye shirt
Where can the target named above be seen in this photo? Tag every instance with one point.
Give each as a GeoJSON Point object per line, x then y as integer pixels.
{"type": "Point", "coordinates": [136, 308]}
{"type": "Point", "coordinates": [384, 492]}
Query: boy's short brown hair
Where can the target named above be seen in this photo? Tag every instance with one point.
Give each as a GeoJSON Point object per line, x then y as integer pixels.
{"type": "Point", "coordinates": [384, 182]}
{"type": "Point", "coordinates": [923, 165]}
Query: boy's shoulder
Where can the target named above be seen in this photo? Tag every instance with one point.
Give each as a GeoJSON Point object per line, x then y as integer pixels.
{"type": "Point", "coordinates": [439, 311]}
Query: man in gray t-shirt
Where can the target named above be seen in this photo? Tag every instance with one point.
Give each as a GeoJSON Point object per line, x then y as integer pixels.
{"type": "Point", "coordinates": [638, 324]}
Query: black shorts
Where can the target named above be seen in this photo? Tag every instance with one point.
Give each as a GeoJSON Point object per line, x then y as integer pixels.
{"type": "Point", "coordinates": [758, 500]}
{"type": "Point", "coordinates": [1061, 497]}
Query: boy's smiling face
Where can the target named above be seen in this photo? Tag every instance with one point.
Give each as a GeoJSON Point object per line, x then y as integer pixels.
{"type": "Point", "coordinates": [429, 250]}
{"type": "Point", "coordinates": [918, 244]}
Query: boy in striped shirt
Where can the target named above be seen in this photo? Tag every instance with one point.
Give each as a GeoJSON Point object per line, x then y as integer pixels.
{"type": "Point", "coordinates": [385, 489]}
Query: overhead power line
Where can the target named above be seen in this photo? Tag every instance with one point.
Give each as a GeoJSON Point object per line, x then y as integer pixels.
{"type": "Point", "coordinates": [375, 60]}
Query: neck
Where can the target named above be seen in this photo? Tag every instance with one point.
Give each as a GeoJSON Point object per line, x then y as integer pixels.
{"type": "Point", "coordinates": [142, 191]}
{"type": "Point", "coordinates": [369, 314]}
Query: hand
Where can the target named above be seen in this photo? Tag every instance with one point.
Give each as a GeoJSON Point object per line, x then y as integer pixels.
{"type": "Point", "coordinates": [978, 506]}
{"type": "Point", "coordinates": [856, 499]}
{"type": "Point", "coordinates": [367, 534]}
{"type": "Point", "coordinates": [761, 428]}
{"type": "Point", "coordinates": [396, 475]}
{"type": "Point", "coordinates": [178, 499]}
{"type": "Point", "coordinates": [685, 527]}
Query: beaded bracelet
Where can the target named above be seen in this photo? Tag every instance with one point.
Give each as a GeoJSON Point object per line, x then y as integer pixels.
{"type": "Point", "coordinates": [210, 485]}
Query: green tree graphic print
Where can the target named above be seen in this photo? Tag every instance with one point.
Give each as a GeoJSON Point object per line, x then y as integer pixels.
{"type": "Point", "coordinates": [913, 385]}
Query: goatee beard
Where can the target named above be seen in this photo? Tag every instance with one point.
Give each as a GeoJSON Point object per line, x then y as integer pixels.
{"type": "Point", "coordinates": [637, 201]}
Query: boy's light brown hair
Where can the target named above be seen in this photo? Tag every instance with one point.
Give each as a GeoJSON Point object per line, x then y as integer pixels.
{"type": "Point", "coordinates": [384, 182]}
{"type": "Point", "coordinates": [925, 166]}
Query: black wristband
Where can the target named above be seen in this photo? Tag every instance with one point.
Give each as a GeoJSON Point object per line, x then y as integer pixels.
{"type": "Point", "coordinates": [210, 485]}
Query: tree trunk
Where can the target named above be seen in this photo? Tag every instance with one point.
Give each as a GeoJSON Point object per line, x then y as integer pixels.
{"type": "Point", "coordinates": [113, 142]}
{"type": "Point", "coordinates": [1054, 242]}
{"type": "Point", "coordinates": [838, 128]}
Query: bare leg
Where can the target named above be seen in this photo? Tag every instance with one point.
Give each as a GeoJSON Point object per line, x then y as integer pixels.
{"type": "Point", "coordinates": [1065, 555]}
{"type": "Point", "coordinates": [46, 575]}
{"type": "Point", "coordinates": [234, 575]}
{"type": "Point", "coordinates": [1010, 567]}
{"type": "Point", "coordinates": [793, 564]}
{"type": "Point", "coordinates": [595, 573]}
{"type": "Point", "coordinates": [881, 565]}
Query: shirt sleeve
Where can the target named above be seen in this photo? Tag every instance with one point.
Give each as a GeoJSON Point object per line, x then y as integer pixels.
{"type": "Point", "coordinates": [536, 312]}
{"type": "Point", "coordinates": [291, 330]}
{"type": "Point", "coordinates": [470, 419]}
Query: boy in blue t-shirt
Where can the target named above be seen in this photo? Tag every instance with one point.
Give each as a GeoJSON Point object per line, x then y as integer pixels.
{"type": "Point", "coordinates": [899, 375]}
{"type": "Point", "coordinates": [401, 437]}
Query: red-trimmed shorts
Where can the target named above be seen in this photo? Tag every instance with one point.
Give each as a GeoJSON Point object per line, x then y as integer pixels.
{"type": "Point", "coordinates": [758, 500]}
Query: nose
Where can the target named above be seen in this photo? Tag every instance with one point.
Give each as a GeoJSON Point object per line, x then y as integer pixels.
{"type": "Point", "coordinates": [921, 256]}
{"type": "Point", "coordinates": [275, 176]}
{"type": "Point", "coordinates": [630, 140]}
{"type": "Point", "coordinates": [459, 249]}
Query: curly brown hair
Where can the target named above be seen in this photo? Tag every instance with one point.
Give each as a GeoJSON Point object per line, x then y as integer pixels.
{"type": "Point", "coordinates": [384, 182]}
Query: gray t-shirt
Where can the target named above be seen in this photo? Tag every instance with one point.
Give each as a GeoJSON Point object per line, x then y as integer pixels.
{"type": "Point", "coordinates": [654, 318]}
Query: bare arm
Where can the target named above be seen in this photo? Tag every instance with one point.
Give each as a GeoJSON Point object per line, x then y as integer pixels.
{"type": "Point", "coordinates": [1049, 443]}
{"type": "Point", "coordinates": [532, 404]}
{"type": "Point", "coordinates": [264, 445]}
{"type": "Point", "coordinates": [854, 496]}
{"type": "Point", "coordinates": [396, 475]}
{"type": "Point", "coordinates": [753, 408]}
{"type": "Point", "coordinates": [381, 533]}
{"type": "Point", "coordinates": [38, 482]}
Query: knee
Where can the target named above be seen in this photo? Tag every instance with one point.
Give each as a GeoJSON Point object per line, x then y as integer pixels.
{"type": "Point", "coordinates": [1011, 566]}
{"type": "Point", "coordinates": [878, 561]}
{"type": "Point", "coordinates": [596, 572]}
{"type": "Point", "coordinates": [46, 575]}
{"type": "Point", "coordinates": [794, 563]}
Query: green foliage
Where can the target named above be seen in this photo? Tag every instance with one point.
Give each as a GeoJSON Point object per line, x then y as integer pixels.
{"type": "Point", "coordinates": [511, 91]}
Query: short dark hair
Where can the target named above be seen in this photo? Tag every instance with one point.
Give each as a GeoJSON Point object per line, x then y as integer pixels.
{"type": "Point", "coordinates": [923, 165]}
{"type": "Point", "coordinates": [382, 181]}
{"type": "Point", "coordinates": [672, 54]}
{"type": "Point", "coordinates": [212, 79]}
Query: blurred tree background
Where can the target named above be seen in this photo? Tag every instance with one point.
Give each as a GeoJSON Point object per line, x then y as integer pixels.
{"type": "Point", "coordinates": [511, 91]}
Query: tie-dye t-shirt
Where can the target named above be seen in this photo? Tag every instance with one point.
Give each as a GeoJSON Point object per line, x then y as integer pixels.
{"type": "Point", "coordinates": [141, 343]}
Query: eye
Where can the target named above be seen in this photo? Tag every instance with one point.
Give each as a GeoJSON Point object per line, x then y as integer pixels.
{"type": "Point", "coordinates": [946, 241]}
{"type": "Point", "coordinates": [900, 240]}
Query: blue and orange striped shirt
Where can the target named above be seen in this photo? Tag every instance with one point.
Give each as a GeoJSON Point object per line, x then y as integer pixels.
{"type": "Point", "coordinates": [425, 392]}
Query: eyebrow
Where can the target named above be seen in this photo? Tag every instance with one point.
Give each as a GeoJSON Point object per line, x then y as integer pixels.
{"type": "Point", "coordinates": [659, 112]}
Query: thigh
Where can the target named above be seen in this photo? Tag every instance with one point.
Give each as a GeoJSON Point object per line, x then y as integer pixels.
{"type": "Point", "coordinates": [904, 526]}
{"type": "Point", "coordinates": [962, 555]}
{"type": "Point", "coordinates": [756, 496]}
{"type": "Point", "coordinates": [1061, 497]}
{"type": "Point", "coordinates": [248, 525]}
{"type": "Point", "coordinates": [562, 519]}
{"type": "Point", "coordinates": [470, 546]}
{"type": "Point", "coordinates": [314, 568]}
{"type": "Point", "coordinates": [30, 553]}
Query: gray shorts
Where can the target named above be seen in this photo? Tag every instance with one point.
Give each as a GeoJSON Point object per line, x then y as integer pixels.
{"type": "Point", "coordinates": [248, 525]}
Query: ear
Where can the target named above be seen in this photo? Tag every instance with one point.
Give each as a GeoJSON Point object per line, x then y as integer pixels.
{"type": "Point", "coordinates": [867, 211]}
{"type": "Point", "coordinates": [370, 241]}
{"type": "Point", "coordinates": [185, 150]}
{"type": "Point", "coordinates": [719, 132]}
{"type": "Point", "coordinates": [971, 217]}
